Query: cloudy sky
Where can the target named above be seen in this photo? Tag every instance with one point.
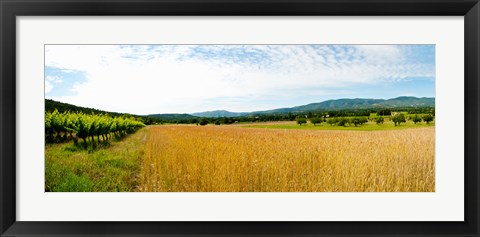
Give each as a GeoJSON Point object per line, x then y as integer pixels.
{"type": "Point", "coordinates": [150, 79]}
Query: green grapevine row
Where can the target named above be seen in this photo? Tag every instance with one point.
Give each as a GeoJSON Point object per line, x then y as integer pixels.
{"type": "Point", "coordinates": [78, 125]}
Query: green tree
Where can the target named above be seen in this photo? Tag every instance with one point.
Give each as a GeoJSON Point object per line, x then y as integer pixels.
{"type": "Point", "coordinates": [343, 122]}
{"type": "Point", "coordinates": [363, 120]}
{"type": "Point", "coordinates": [316, 120]}
{"type": "Point", "coordinates": [384, 112]}
{"type": "Point", "coordinates": [301, 121]}
{"type": "Point", "coordinates": [379, 120]}
{"type": "Point", "coordinates": [416, 119]}
{"type": "Point", "coordinates": [355, 121]}
{"type": "Point", "coordinates": [290, 116]}
{"type": "Point", "coordinates": [428, 118]}
{"type": "Point", "coordinates": [399, 118]}
{"type": "Point", "coordinates": [332, 121]}
{"type": "Point", "coordinates": [203, 122]}
{"type": "Point", "coordinates": [195, 121]}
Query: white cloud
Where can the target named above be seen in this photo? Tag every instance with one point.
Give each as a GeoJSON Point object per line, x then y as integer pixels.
{"type": "Point", "coordinates": [50, 82]}
{"type": "Point", "coordinates": [48, 87]}
{"type": "Point", "coordinates": [163, 79]}
{"type": "Point", "coordinates": [53, 79]}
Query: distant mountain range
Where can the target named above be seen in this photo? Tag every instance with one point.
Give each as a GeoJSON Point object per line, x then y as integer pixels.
{"type": "Point", "coordinates": [170, 117]}
{"type": "Point", "coordinates": [219, 113]}
{"type": "Point", "coordinates": [340, 104]}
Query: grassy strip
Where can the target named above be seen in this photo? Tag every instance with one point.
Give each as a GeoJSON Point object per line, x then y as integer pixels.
{"type": "Point", "coordinates": [110, 168]}
{"type": "Point", "coordinates": [324, 126]}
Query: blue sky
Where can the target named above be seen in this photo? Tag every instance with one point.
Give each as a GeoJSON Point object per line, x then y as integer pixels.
{"type": "Point", "coordinates": [148, 79]}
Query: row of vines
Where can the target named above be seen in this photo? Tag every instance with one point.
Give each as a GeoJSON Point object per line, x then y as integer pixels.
{"type": "Point", "coordinates": [64, 126]}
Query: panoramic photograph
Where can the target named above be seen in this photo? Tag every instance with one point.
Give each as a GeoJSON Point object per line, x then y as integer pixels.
{"type": "Point", "coordinates": [239, 118]}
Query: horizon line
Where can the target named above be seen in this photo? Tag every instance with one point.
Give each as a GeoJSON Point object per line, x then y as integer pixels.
{"type": "Point", "coordinates": [243, 111]}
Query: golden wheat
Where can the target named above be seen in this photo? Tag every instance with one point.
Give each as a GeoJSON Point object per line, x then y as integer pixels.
{"type": "Point", "coordinates": [235, 159]}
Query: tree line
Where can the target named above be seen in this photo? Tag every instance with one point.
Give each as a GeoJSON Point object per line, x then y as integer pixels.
{"type": "Point", "coordinates": [292, 116]}
{"type": "Point", "coordinates": [397, 119]}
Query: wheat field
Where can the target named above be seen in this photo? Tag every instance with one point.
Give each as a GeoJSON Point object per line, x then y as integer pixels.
{"type": "Point", "coordinates": [235, 159]}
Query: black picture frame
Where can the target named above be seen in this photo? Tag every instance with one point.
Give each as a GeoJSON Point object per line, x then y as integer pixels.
{"type": "Point", "coordinates": [9, 9]}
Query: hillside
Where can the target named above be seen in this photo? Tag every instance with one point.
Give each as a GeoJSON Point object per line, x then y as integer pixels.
{"type": "Point", "coordinates": [357, 103]}
{"type": "Point", "coordinates": [340, 104]}
{"type": "Point", "coordinates": [172, 117]}
{"type": "Point", "coordinates": [219, 113]}
{"type": "Point", "coordinates": [51, 105]}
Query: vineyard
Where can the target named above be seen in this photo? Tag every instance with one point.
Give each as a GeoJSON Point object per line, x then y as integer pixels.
{"type": "Point", "coordinates": [73, 126]}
